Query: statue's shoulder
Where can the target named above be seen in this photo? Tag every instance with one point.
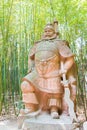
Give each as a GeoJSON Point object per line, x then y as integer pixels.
{"type": "Point", "coordinates": [63, 47]}
{"type": "Point", "coordinates": [36, 42]}
{"type": "Point", "coordinates": [62, 42]}
{"type": "Point", "coordinates": [33, 48]}
{"type": "Point", "coordinates": [65, 42]}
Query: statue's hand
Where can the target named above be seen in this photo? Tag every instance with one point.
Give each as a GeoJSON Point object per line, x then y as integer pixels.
{"type": "Point", "coordinates": [65, 83]}
{"type": "Point", "coordinates": [61, 72]}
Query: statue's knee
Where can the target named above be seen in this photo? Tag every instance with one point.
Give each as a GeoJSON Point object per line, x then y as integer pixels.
{"type": "Point", "coordinates": [26, 87]}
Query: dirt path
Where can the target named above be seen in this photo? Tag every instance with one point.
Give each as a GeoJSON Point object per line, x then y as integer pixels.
{"type": "Point", "coordinates": [10, 124]}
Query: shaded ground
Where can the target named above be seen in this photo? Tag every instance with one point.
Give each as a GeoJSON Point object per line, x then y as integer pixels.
{"type": "Point", "coordinates": [10, 124]}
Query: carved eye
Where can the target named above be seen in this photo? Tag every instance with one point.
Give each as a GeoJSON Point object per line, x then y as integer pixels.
{"type": "Point", "coordinates": [45, 31]}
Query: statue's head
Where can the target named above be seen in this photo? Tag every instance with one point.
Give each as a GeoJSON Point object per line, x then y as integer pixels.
{"type": "Point", "coordinates": [49, 32]}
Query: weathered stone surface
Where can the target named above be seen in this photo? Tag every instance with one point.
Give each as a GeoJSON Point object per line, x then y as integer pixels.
{"type": "Point", "coordinates": [45, 122]}
{"type": "Point", "coordinates": [85, 125]}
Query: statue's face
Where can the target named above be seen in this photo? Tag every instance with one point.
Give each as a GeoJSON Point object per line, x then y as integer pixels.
{"type": "Point", "coordinates": [49, 32]}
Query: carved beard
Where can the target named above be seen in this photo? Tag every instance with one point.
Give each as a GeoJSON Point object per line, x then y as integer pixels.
{"type": "Point", "coordinates": [48, 37]}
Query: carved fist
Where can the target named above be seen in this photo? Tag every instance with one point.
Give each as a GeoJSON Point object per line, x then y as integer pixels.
{"type": "Point", "coordinates": [61, 72]}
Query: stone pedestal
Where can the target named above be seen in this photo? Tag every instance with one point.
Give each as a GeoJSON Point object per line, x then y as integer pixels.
{"type": "Point", "coordinates": [85, 125]}
{"type": "Point", "coordinates": [45, 122]}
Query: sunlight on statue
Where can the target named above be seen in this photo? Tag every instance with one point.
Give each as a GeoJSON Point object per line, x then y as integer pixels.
{"type": "Point", "coordinates": [50, 65]}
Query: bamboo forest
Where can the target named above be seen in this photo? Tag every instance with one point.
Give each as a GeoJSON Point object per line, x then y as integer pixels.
{"type": "Point", "coordinates": [21, 24]}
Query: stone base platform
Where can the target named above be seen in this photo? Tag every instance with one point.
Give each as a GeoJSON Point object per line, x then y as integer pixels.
{"type": "Point", "coordinates": [45, 122]}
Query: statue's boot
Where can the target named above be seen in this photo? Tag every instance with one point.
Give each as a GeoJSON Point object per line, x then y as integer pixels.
{"type": "Point", "coordinates": [54, 104]}
{"type": "Point", "coordinates": [54, 113]}
{"type": "Point", "coordinates": [24, 113]}
{"type": "Point", "coordinates": [30, 102]}
{"type": "Point", "coordinates": [29, 108]}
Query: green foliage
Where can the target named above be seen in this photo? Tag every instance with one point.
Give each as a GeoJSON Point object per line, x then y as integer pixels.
{"type": "Point", "coordinates": [22, 23]}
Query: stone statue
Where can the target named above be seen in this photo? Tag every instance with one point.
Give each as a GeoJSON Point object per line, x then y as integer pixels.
{"type": "Point", "coordinates": [43, 87]}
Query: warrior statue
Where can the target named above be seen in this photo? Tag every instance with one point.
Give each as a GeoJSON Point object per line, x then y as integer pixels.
{"type": "Point", "coordinates": [42, 87]}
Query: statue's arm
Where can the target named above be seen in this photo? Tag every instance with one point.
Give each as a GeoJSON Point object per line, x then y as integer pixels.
{"type": "Point", "coordinates": [31, 59]}
{"type": "Point", "coordinates": [66, 55]}
{"type": "Point", "coordinates": [68, 63]}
